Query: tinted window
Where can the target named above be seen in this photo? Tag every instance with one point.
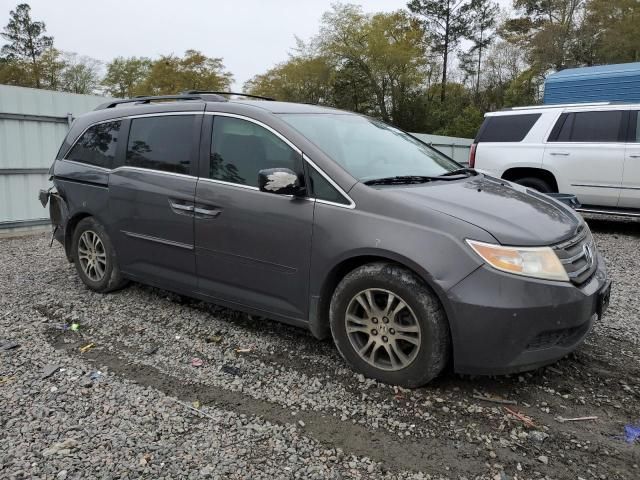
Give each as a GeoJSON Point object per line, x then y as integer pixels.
{"type": "Point", "coordinates": [596, 126]}
{"type": "Point", "coordinates": [506, 128]}
{"type": "Point", "coordinates": [323, 190]}
{"type": "Point", "coordinates": [562, 129]}
{"type": "Point", "coordinates": [97, 146]}
{"type": "Point", "coordinates": [240, 149]}
{"type": "Point", "coordinates": [636, 122]}
{"type": "Point", "coordinates": [161, 143]}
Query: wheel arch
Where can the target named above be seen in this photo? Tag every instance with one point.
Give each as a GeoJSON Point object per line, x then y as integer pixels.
{"type": "Point", "coordinates": [320, 302]}
{"type": "Point", "coordinates": [515, 173]}
{"type": "Point", "coordinates": [70, 228]}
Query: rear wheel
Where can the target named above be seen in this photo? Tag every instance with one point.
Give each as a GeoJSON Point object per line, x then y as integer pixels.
{"type": "Point", "coordinates": [95, 258]}
{"type": "Point", "coordinates": [390, 326]}
{"type": "Point", "coordinates": [535, 183]}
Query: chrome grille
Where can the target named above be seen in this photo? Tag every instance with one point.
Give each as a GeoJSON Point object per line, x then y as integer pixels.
{"type": "Point", "coordinates": [578, 256]}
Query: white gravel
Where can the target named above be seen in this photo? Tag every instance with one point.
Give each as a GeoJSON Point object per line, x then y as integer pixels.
{"type": "Point", "coordinates": [286, 406]}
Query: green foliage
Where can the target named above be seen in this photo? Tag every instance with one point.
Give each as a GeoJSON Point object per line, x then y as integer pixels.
{"type": "Point", "coordinates": [395, 66]}
{"type": "Point", "coordinates": [26, 44]}
{"type": "Point", "coordinates": [171, 74]}
{"type": "Point", "coordinates": [611, 32]}
{"type": "Point", "coordinates": [447, 22]}
{"type": "Point", "coordinates": [125, 75]}
{"type": "Point", "coordinates": [301, 79]}
{"type": "Point", "coordinates": [547, 30]}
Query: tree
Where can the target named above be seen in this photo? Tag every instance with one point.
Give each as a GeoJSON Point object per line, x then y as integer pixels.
{"type": "Point", "coordinates": [546, 29]}
{"type": "Point", "coordinates": [447, 22]}
{"type": "Point", "coordinates": [14, 72]}
{"type": "Point", "coordinates": [611, 32]}
{"type": "Point", "coordinates": [482, 20]}
{"type": "Point", "coordinates": [51, 65]}
{"type": "Point", "coordinates": [81, 74]}
{"type": "Point", "coordinates": [125, 76]}
{"type": "Point", "coordinates": [504, 64]}
{"type": "Point", "coordinates": [386, 49]}
{"type": "Point", "coordinates": [306, 79]}
{"type": "Point", "coordinates": [171, 74]}
{"type": "Point", "coordinates": [27, 41]}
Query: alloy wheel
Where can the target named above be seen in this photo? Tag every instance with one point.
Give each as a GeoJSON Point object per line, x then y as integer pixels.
{"type": "Point", "coordinates": [383, 329]}
{"type": "Point", "coordinates": [92, 255]}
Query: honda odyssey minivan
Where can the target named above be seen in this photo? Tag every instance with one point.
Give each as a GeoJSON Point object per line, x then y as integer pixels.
{"type": "Point", "coordinates": [331, 221]}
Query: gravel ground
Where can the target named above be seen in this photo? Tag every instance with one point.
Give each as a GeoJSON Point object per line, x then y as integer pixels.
{"type": "Point", "coordinates": [269, 401]}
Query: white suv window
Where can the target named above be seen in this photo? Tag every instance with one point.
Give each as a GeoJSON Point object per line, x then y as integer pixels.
{"type": "Point", "coordinates": [506, 128]}
{"type": "Point", "coordinates": [592, 127]}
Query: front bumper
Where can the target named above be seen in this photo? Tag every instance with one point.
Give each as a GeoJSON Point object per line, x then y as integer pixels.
{"type": "Point", "coordinates": [504, 323]}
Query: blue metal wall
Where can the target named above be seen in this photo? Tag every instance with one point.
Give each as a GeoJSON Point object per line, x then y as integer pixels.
{"type": "Point", "coordinates": [616, 83]}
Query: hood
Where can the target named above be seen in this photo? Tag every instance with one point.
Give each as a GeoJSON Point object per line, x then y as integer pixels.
{"type": "Point", "coordinates": [512, 214]}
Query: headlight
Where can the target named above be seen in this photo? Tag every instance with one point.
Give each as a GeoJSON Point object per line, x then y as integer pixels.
{"type": "Point", "coordinates": [538, 262]}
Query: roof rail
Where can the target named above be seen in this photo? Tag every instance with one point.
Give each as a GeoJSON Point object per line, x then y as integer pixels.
{"type": "Point", "coordinates": [563, 105]}
{"type": "Point", "coordinates": [144, 100]}
{"type": "Point", "coordinates": [197, 92]}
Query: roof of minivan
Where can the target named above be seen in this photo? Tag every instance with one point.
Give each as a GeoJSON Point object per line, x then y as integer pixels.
{"type": "Point", "coordinates": [287, 107]}
{"type": "Point", "coordinates": [242, 106]}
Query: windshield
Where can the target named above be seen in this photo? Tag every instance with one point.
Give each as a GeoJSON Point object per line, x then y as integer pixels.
{"type": "Point", "coordinates": [369, 149]}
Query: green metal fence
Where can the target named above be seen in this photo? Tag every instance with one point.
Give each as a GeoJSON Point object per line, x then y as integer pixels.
{"type": "Point", "coordinates": [33, 124]}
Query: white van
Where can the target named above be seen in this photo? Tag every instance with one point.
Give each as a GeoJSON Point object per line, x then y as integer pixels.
{"type": "Point", "coordinates": [589, 150]}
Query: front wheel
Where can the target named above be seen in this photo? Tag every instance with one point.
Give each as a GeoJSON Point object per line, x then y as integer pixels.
{"type": "Point", "coordinates": [95, 258]}
{"type": "Point", "coordinates": [389, 325]}
{"type": "Point", "coordinates": [535, 183]}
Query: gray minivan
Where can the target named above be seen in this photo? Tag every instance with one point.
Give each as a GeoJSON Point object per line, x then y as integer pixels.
{"type": "Point", "coordinates": [329, 220]}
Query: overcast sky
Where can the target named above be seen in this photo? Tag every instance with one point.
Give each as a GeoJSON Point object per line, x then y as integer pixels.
{"type": "Point", "coordinates": [250, 35]}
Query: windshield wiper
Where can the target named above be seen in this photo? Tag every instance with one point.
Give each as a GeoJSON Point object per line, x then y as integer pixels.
{"type": "Point", "coordinates": [460, 171]}
{"type": "Point", "coordinates": [401, 180]}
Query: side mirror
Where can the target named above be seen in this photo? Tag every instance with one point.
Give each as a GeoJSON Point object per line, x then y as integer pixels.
{"type": "Point", "coordinates": [281, 181]}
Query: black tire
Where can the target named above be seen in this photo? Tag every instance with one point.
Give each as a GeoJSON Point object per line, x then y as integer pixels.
{"type": "Point", "coordinates": [111, 278]}
{"type": "Point", "coordinates": [535, 184]}
{"type": "Point", "coordinates": [425, 309]}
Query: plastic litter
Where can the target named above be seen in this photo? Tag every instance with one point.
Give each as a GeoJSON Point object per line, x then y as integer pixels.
{"type": "Point", "coordinates": [196, 404]}
{"type": "Point", "coordinates": [87, 347]}
{"type": "Point", "coordinates": [49, 370]}
{"type": "Point", "coordinates": [196, 362]}
{"type": "Point", "coordinates": [632, 433]}
{"type": "Point", "coordinates": [74, 327]}
{"type": "Point", "coordinates": [95, 376]}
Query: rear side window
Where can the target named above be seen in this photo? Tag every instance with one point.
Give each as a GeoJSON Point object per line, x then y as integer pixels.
{"type": "Point", "coordinates": [97, 146]}
{"type": "Point", "coordinates": [633, 131]}
{"type": "Point", "coordinates": [161, 143]}
{"type": "Point", "coordinates": [506, 128]}
{"type": "Point", "coordinates": [588, 127]}
{"type": "Point", "coordinates": [323, 190]}
{"type": "Point", "coordinates": [240, 149]}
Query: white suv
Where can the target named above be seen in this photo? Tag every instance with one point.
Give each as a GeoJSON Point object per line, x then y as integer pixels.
{"type": "Point", "coordinates": [589, 150]}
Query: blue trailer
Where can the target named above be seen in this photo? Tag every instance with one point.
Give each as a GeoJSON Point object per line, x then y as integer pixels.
{"type": "Point", "coordinates": [614, 83]}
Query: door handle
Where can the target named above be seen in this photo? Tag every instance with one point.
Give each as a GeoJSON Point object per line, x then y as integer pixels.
{"type": "Point", "coordinates": [635, 155]}
{"type": "Point", "coordinates": [209, 212]}
{"type": "Point", "coordinates": [560, 154]}
{"type": "Point", "coordinates": [180, 207]}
